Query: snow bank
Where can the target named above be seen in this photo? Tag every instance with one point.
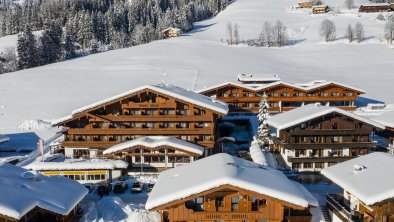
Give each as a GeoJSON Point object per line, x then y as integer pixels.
{"type": "Point", "coordinates": [257, 154]}
{"type": "Point", "coordinates": [112, 208]}
{"type": "Point", "coordinates": [36, 124]}
{"type": "Point", "coordinates": [21, 191]}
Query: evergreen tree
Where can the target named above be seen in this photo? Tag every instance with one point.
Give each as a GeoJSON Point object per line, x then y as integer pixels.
{"type": "Point", "coordinates": [27, 52]}
{"type": "Point", "coordinates": [68, 47]}
{"type": "Point", "coordinates": [263, 129]}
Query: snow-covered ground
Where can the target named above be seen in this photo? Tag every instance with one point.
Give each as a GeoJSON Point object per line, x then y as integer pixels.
{"type": "Point", "coordinates": [199, 59]}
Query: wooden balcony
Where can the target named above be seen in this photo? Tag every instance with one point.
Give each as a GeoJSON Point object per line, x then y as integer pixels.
{"type": "Point", "coordinates": [319, 159]}
{"type": "Point", "coordinates": [329, 145]}
{"type": "Point", "coordinates": [166, 105]}
{"type": "Point", "coordinates": [339, 206]}
{"type": "Point", "coordinates": [226, 216]}
{"type": "Point", "coordinates": [142, 131]}
{"type": "Point", "coordinates": [287, 99]}
{"type": "Point", "coordinates": [328, 132]}
{"type": "Point", "coordinates": [89, 144]}
{"type": "Point", "coordinates": [154, 118]}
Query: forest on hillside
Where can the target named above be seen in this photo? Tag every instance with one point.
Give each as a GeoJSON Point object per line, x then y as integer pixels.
{"type": "Point", "coordinates": [97, 25]}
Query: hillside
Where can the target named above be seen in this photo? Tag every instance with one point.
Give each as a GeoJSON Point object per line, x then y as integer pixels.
{"type": "Point", "coordinates": [199, 59]}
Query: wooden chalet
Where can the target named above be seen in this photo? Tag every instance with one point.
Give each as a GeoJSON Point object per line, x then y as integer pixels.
{"type": "Point", "coordinates": [28, 197]}
{"type": "Point", "coordinates": [153, 110]}
{"type": "Point", "coordinates": [376, 8]}
{"type": "Point", "coordinates": [368, 188]}
{"type": "Point", "coordinates": [282, 96]}
{"type": "Point", "coordinates": [156, 153]}
{"type": "Point", "coordinates": [314, 137]}
{"type": "Point", "coordinates": [304, 4]}
{"type": "Point", "coordinates": [171, 32]}
{"type": "Point", "coordinates": [319, 9]}
{"type": "Point", "coordinates": [228, 189]}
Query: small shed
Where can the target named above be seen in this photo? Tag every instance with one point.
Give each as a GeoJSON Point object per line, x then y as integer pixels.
{"type": "Point", "coordinates": [171, 32]}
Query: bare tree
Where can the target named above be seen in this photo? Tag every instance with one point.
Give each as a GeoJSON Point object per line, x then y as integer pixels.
{"type": "Point", "coordinates": [328, 30]}
{"type": "Point", "coordinates": [359, 32]}
{"type": "Point", "coordinates": [268, 34]}
{"type": "Point", "coordinates": [349, 4]}
{"type": "Point", "coordinates": [389, 31]}
{"type": "Point", "coordinates": [349, 33]}
{"type": "Point", "coordinates": [236, 34]}
{"type": "Point", "coordinates": [230, 31]}
{"type": "Point", "coordinates": [280, 34]}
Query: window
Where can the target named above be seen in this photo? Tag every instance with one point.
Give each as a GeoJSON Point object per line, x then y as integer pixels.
{"type": "Point", "coordinates": [273, 104]}
{"type": "Point", "coordinates": [285, 94]}
{"type": "Point", "coordinates": [274, 94]}
{"type": "Point", "coordinates": [303, 125]}
{"type": "Point", "coordinates": [323, 94]}
{"type": "Point", "coordinates": [233, 94]}
{"type": "Point", "coordinates": [199, 206]}
{"type": "Point", "coordinates": [319, 165]}
{"type": "Point", "coordinates": [234, 204]}
{"type": "Point", "coordinates": [167, 125]}
{"type": "Point", "coordinates": [308, 165]}
{"type": "Point", "coordinates": [150, 125]}
{"type": "Point", "coordinates": [168, 112]}
{"type": "Point", "coordinates": [248, 94]}
{"type": "Point", "coordinates": [296, 165]}
{"type": "Point", "coordinates": [300, 153]}
{"type": "Point", "coordinates": [184, 112]}
{"type": "Point", "coordinates": [309, 94]}
{"type": "Point", "coordinates": [183, 125]}
{"type": "Point", "coordinates": [150, 112]}
{"type": "Point", "coordinates": [255, 204]}
{"type": "Point", "coordinates": [219, 202]}
{"type": "Point", "coordinates": [348, 94]}
{"type": "Point", "coordinates": [135, 112]}
{"type": "Point", "coordinates": [335, 94]}
{"type": "Point", "coordinates": [298, 94]}
{"type": "Point", "coordinates": [115, 112]}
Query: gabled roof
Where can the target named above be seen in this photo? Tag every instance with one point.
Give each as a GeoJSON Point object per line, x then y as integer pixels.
{"type": "Point", "coordinates": [170, 90]}
{"type": "Point", "coordinates": [308, 112]}
{"type": "Point", "coordinates": [386, 119]}
{"type": "Point", "coordinates": [299, 86]}
{"type": "Point", "coordinates": [368, 177]}
{"type": "Point", "coordinates": [219, 170]}
{"type": "Point", "coordinates": [22, 191]}
{"type": "Point", "coordinates": [155, 142]}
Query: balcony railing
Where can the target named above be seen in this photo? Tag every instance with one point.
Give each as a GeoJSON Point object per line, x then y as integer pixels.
{"type": "Point", "coordinates": [340, 207]}
{"type": "Point", "coordinates": [330, 145]}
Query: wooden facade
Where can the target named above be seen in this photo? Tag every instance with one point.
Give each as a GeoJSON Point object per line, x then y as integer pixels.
{"type": "Point", "coordinates": [283, 97]}
{"type": "Point", "coordinates": [376, 8]}
{"type": "Point", "coordinates": [171, 32]}
{"type": "Point", "coordinates": [42, 215]}
{"type": "Point", "coordinates": [228, 203]}
{"type": "Point", "coordinates": [319, 9]}
{"type": "Point", "coordinates": [323, 141]}
{"type": "Point", "coordinates": [143, 113]}
{"type": "Point", "coordinates": [305, 4]}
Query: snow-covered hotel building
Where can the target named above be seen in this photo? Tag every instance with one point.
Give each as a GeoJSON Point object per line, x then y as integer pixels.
{"type": "Point", "coordinates": [224, 188]}
{"type": "Point", "coordinates": [28, 196]}
{"type": "Point", "coordinates": [313, 137]}
{"type": "Point", "coordinates": [151, 110]}
{"type": "Point", "coordinates": [368, 189]}
{"type": "Point", "coordinates": [245, 95]}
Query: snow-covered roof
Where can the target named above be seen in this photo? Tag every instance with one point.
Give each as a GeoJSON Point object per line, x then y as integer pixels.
{"type": "Point", "coordinates": [22, 190]}
{"type": "Point", "coordinates": [368, 177]}
{"type": "Point", "coordinates": [386, 119]}
{"type": "Point", "coordinates": [171, 28]}
{"type": "Point", "coordinates": [299, 86]}
{"type": "Point", "coordinates": [77, 164]}
{"type": "Point", "coordinates": [3, 138]}
{"type": "Point", "coordinates": [223, 169]}
{"type": "Point", "coordinates": [258, 77]}
{"type": "Point", "coordinates": [305, 113]}
{"type": "Point", "coordinates": [157, 141]}
{"type": "Point", "coordinates": [170, 90]}
{"type": "Point", "coordinates": [18, 142]}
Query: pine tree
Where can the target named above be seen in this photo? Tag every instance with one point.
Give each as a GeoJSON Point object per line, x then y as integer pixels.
{"type": "Point", "coordinates": [27, 50]}
{"type": "Point", "coordinates": [68, 47]}
{"type": "Point", "coordinates": [263, 129]}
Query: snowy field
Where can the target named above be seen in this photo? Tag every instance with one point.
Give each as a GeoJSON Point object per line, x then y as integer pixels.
{"type": "Point", "coordinates": [199, 59]}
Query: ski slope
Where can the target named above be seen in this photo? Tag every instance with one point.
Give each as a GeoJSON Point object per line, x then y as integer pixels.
{"type": "Point", "coordinates": [199, 59]}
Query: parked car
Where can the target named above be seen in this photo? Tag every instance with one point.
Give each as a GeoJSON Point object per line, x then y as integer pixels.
{"type": "Point", "coordinates": [90, 187]}
{"type": "Point", "coordinates": [137, 187]}
{"type": "Point", "coordinates": [120, 187]}
{"type": "Point", "coordinates": [149, 188]}
{"type": "Point", "coordinates": [104, 189]}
